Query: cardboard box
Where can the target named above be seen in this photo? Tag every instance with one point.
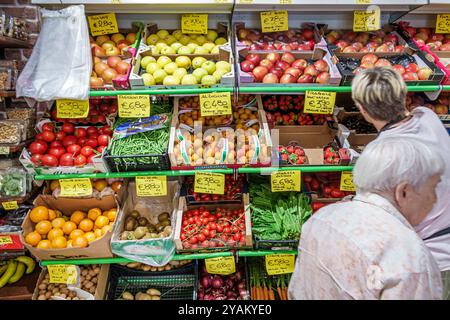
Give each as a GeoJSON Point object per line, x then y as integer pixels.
{"type": "Point", "coordinates": [99, 248]}
{"type": "Point", "coordinates": [356, 137]}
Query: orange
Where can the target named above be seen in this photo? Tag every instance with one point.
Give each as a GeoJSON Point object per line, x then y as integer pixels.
{"type": "Point", "coordinates": [77, 216]}
{"type": "Point", "coordinates": [106, 228]}
{"type": "Point", "coordinates": [51, 214]}
{"type": "Point", "coordinates": [54, 184]}
{"type": "Point", "coordinates": [80, 241]}
{"type": "Point", "coordinates": [101, 221]}
{"type": "Point", "coordinates": [58, 223]}
{"type": "Point", "coordinates": [94, 213]}
{"type": "Point", "coordinates": [43, 227]}
{"type": "Point", "coordinates": [116, 186]}
{"type": "Point", "coordinates": [55, 232]}
{"type": "Point", "coordinates": [90, 236]}
{"type": "Point", "coordinates": [44, 244]}
{"type": "Point", "coordinates": [38, 214]}
{"type": "Point", "coordinates": [59, 242]}
{"type": "Point", "coordinates": [98, 233]}
{"type": "Point", "coordinates": [112, 214]}
{"type": "Point", "coordinates": [68, 227]}
{"type": "Point", "coordinates": [76, 233]}
{"type": "Point", "coordinates": [86, 225]}
{"type": "Point", "coordinates": [58, 214]}
{"type": "Point", "coordinates": [100, 185]}
{"type": "Point", "coordinates": [33, 238]}
{"type": "Point", "coordinates": [69, 244]}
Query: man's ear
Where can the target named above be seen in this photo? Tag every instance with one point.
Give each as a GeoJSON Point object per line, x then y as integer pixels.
{"type": "Point", "coordinates": [401, 194]}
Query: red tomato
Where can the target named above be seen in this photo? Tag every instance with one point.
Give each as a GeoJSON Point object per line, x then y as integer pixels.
{"type": "Point", "coordinates": [90, 159]}
{"type": "Point", "coordinates": [57, 152]}
{"type": "Point", "coordinates": [48, 136]}
{"type": "Point", "coordinates": [113, 108]}
{"type": "Point", "coordinates": [68, 128]}
{"type": "Point", "coordinates": [201, 238]}
{"type": "Point", "coordinates": [38, 147]}
{"type": "Point", "coordinates": [101, 118]}
{"type": "Point", "coordinates": [81, 141]}
{"type": "Point", "coordinates": [101, 148]}
{"type": "Point", "coordinates": [37, 159]}
{"type": "Point", "coordinates": [103, 140]}
{"type": "Point", "coordinates": [80, 132]}
{"type": "Point", "coordinates": [49, 160]}
{"type": "Point", "coordinates": [91, 142]}
{"type": "Point", "coordinates": [212, 233]}
{"type": "Point", "coordinates": [80, 160]}
{"type": "Point", "coordinates": [66, 160]}
{"type": "Point", "coordinates": [91, 130]}
{"type": "Point", "coordinates": [107, 130]}
{"type": "Point", "coordinates": [56, 144]}
{"type": "Point", "coordinates": [68, 140]}
{"type": "Point", "coordinates": [227, 230]}
{"type": "Point", "coordinates": [48, 126]}
{"type": "Point", "coordinates": [74, 149]}
{"type": "Point", "coordinates": [39, 137]}
{"type": "Point", "coordinates": [60, 135]}
{"type": "Point", "coordinates": [193, 240]}
{"type": "Point", "coordinates": [93, 136]}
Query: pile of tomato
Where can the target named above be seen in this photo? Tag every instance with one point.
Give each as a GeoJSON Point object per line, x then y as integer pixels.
{"type": "Point", "coordinates": [68, 145]}
{"type": "Point", "coordinates": [202, 228]}
{"type": "Point", "coordinates": [326, 185]}
{"type": "Point", "coordinates": [232, 191]}
{"type": "Point", "coordinates": [99, 110]}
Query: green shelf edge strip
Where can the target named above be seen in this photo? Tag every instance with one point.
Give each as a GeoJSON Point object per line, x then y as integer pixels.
{"type": "Point", "coordinates": [100, 93]}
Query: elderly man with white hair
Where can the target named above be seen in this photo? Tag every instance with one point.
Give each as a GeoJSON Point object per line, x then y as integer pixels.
{"type": "Point", "coordinates": [367, 248]}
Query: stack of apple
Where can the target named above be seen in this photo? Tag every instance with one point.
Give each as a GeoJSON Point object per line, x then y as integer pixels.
{"type": "Point", "coordinates": [285, 68]}
{"type": "Point", "coordinates": [106, 71]}
{"type": "Point", "coordinates": [99, 110]}
{"type": "Point", "coordinates": [169, 73]}
{"type": "Point", "coordinates": [162, 42]}
{"type": "Point", "coordinates": [440, 105]}
{"type": "Point", "coordinates": [291, 40]}
{"type": "Point", "coordinates": [350, 41]}
{"type": "Point", "coordinates": [427, 36]}
{"type": "Point", "coordinates": [106, 46]}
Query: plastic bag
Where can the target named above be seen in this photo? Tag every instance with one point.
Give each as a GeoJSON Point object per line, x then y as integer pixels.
{"type": "Point", "coordinates": [61, 62]}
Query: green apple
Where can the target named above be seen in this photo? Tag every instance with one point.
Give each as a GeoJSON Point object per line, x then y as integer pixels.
{"type": "Point", "coordinates": [200, 40]}
{"type": "Point", "coordinates": [209, 66]}
{"type": "Point", "coordinates": [215, 50]}
{"type": "Point", "coordinates": [171, 81]}
{"type": "Point", "coordinates": [162, 33]}
{"type": "Point", "coordinates": [180, 73]}
{"type": "Point", "coordinates": [192, 45]}
{"type": "Point", "coordinates": [223, 65]}
{"type": "Point", "coordinates": [146, 60]}
{"type": "Point", "coordinates": [175, 46]}
{"type": "Point", "coordinates": [185, 50]}
{"type": "Point", "coordinates": [152, 39]}
{"type": "Point", "coordinates": [170, 39]}
{"type": "Point", "coordinates": [177, 34]}
{"type": "Point", "coordinates": [154, 50]}
{"type": "Point", "coordinates": [152, 67]}
{"type": "Point", "coordinates": [170, 67]}
{"type": "Point", "coordinates": [162, 61]}
{"type": "Point", "coordinates": [199, 74]}
{"type": "Point", "coordinates": [159, 75]}
{"type": "Point", "coordinates": [218, 74]}
{"type": "Point", "coordinates": [183, 62]}
{"type": "Point", "coordinates": [208, 80]}
{"type": "Point", "coordinates": [168, 50]}
{"type": "Point", "coordinates": [192, 35]}
{"type": "Point", "coordinates": [220, 41]}
{"type": "Point", "coordinates": [189, 79]}
{"type": "Point", "coordinates": [197, 62]}
{"type": "Point", "coordinates": [148, 79]}
{"type": "Point", "coordinates": [208, 46]}
{"type": "Point", "coordinates": [211, 35]}
{"type": "Point", "coordinates": [184, 40]}
{"type": "Point", "coordinates": [200, 50]}
{"type": "Point", "coordinates": [160, 45]}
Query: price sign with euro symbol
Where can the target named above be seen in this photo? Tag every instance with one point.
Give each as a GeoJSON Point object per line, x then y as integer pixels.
{"type": "Point", "coordinates": [285, 181]}
{"type": "Point", "coordinates": [215, 104]}
{"type": "Point", "coordinates": [366, 20]}
{"type": "Point", "coordinates": [133, 106]}
{"type": "Point", "coordinates": [274, 21]}
{"type": "Point", "coordinates": [347, 181]}
{"type": "Point", "coordinates": [320, 102]}
{"type": "Point", "coordinates": [280, 264]}
{"type": "Point", "coordinates": [81, 187]}
{"type": "Point", "coordinates": [211, 183]}
{"type": "Point", "coordinates": [152, 186]}
{"type": "Point", "coordinates": [443, 23]}
{"type": "Point", "coordinates": [194, 23]}
{"type": "Point", "coordinates": [222, 265]}
{"type": "Point", "coordinates": [103, 24]}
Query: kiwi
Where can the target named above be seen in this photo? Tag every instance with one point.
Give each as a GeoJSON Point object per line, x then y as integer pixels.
{"type": "Point", "coordinates": [130, 224]}
{"type": "Point", "coordinates": [142, 221]}
{"type": "Point", "coordinates": [159, 227]}
{"type": "Point", "coordinates": [134, 214]}
{"type": "Point", "coordinates": [163, 216]}
{"type": "Point", "coordinates": [165, 223]}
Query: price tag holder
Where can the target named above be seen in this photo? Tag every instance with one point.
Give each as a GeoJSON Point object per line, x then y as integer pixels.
{"type": "Point", "coordinates": [151, 186]}
{"type": "Point", "coordinates": [443, 23]}
{"type": "Point", "coordinates": [103, 24]}
{"type": "Point", "coordinates": [10, 205]}
{"type": "Point", "coordinates": [63, 273]}
{"type": "Point", "coordinates": [280, 264]}
{"type": "Point", "coordinates": [4, 150]}
{"type": "Point", "coordinates": [133, 106]}
{"type": "Point", "coordinates": [207, 182]}
{"type": "Point", "coordinates": [347, 181]}
{"type": "Point", "coordinates": [320, 102]}
{"type": "Point", "coordinates": [72, 109]}
{"type": "Point", "coordinates": [194, 23]}
{"type": "Point", "coordinates": [285, 181]}
{"type": "Point", "coordinates": [222, 265]}
{"type": "Point", "coordinates": [215, 104]}
{"type": "Point", "coordinates": [75, 187]}
{"type": "Point", "coordinates": [366, 20]}
{"type": "Point", "coordinates": [5, 240]}
{"type": "Point", "coordinates": [274, 21]}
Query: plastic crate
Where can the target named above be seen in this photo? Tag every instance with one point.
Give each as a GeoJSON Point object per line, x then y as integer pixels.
{"type": "Point", "coordinates": [275, 244]}
{"type": "Point", "coordinates": [148, 162]}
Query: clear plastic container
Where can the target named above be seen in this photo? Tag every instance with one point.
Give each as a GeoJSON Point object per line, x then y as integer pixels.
{"type": "Point", "coordinates": [6, 75]}
{"type": "Point", "coordinates": [14, 183]}
{"type": "Point", "coordinates": [10, 132]}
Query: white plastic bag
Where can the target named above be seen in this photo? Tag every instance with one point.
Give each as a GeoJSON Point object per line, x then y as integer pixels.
{"type": "Point", "coordinates": [61, 62]}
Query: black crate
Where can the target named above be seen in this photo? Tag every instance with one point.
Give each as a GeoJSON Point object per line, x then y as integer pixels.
{"type": "Point", "coordinates": [140, 273]}
{"type": "Point", "coordinates": [148, 162]}
{"type": "Point", "coordinates": [275, 244]}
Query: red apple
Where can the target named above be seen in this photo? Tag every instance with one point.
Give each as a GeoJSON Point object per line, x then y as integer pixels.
{"type": "Point", "coordinates": [99, 51]}
{"type": "Point", "coordinates": [437, 37]}
{"type": "Point", "coordinates": [253, 58]}
{"type": "Point", "coordinates": [399, 48]}
{"type": "Point", "coordinates": [350, 35]}
{"type": "Point", "coordinates": [367, 65]}
{"type": "Point", "coordinates": [113, 61]}
{"type": "Point", "coordinates": [323, 78]}
{"type": "Point", "coordinates": [383, 48]}
{"type": "Point", "coordinates": [288, 78]}
{"type": "Point", "coordinates": [108, 75]}
{"type": "Point", "coordinates": [122, 67]}
{"type": "Point", "coordinates": [305, 78]}
{"type": "Point", "coordinates": [424, 73]}
{"type": "Point", "coordinates": [304, 47]}
{"type": "Point", "coordinates": [365, 50]}
{"type": "Point", "coordinates": [391, 38]}
{"type": "Point", "coordinates": [288, 57]}
{"type": "Point", "coordinates": [400, 69]}
{"type": "Point", "coordinates": [382, 63]}
{"type": "Point", "coordinates": [266, 63]}
{"type": "Point", "coordinates": [255, 47]}
{"type": "Point", "coordinates": [421, 36]}
{"type": "Point", "coordinates": [411, 31]}
{"type": "Point", "coordinates": [310, 44]}
{"type": "Point", "coordinates": [243, 33]}
{"type": "Point", "coordinates": [342, 44]}
{"type": "Point", "coordinates": [270, 78]}
{"type": "Point", "coordinates": [311, 71]}
{"type": "Point", "coordinates": [259, 73]}
{"type": "Point", "coordinates": [276, 71]}
{"type": "Point", "coordinates": [293, 71]}
{"type": "Point", "coordinates": [349, 49]}
{"type": "Point", "coordinates": [273, 57]}
{"type": "Point", "coordinates": [300, 64]}
{"type": "Point", "coordinates": [282, 65]}
{"type": "Point", "coordinates": [412, 67]}
{"type": "Point", "coordinates": [357, 45]}
{"type": "Point", "coordinates": [427, 31]}
{"type": "Point", "coordinates": [370, 57]}
{"type": "Point", "coordinates": [268, 47]}
{"type": "Point", "coordinates": [410, 76]}
{"type": "Point", "coordinates": [321, 65]}
{"type": "Point", "coordinates": [308, 34]}
{"type": "Point", "coordinates": [445, 47]}
{"type": "Point", "coordinates": [247, 66]}
{"type": "Point", "coordinates": [286, 47]}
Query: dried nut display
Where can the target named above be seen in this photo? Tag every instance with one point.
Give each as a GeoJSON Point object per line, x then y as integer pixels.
{"type": "Point", "coordinates": [9, 132]}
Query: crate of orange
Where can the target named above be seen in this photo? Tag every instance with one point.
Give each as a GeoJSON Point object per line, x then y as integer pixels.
{"type": "Point", "coordinates": [70, 228]}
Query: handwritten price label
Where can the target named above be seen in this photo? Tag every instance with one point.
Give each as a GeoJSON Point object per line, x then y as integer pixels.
{"type": "Point", "coordinates": [274, 21]}
{"type": "Point", "coordinates": [75, 187]}
{"type": "Point", "coordinates": [280, 264]}
{"type": "Point", "coordinates": [133, 106]}
{"type": "Point", "coordinates": [10, 205]}
{"type": "Point", "coordinates": [103, 24]}
{"type": "Point", "coordinates": [207, 182]}
{"type": "Point", "coordinates": [319, 102]}
{"type": "Point", "coordinates": [222, 265]}
{"type": "Point", "coordinates": [4, 150]}
{"type": "Point", "coordinates": [194, 23]}
{"type": "Point", "coordinates": [347, 181]}
{"type": "Point", "coordinates": [366, 20]}
{"type": "Point", "coordinates": [215, 104]}
{"type": "Point", "coordinates": [363, 1]}
{"type": "Point", "coordinates": [63, 273]}
{"type": "Point", "coordinates": [5, 240]}
{"type": "Point", "coordinates": [151, 186]}
{"type": "Point", "coordinates": [69, 109]}
{"type": "Point", "coordinates": [443, 23]}
{"type": "Point", "coordinates": [285, 181]}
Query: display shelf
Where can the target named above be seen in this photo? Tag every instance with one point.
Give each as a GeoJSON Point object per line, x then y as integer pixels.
{"type": "Point", "coordinates": [7, 93]}
{"type": "Point", "coordinates": [7, 42]}
{"type": "Point", "coordinates": [99, 93]}
{"type": "Point", "coordinates": [295, 168]}
{"type": "Point", "coordinates": [284, 89]}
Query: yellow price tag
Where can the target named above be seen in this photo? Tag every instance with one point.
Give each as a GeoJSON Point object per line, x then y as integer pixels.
{"type": "Point", "coordinates": [10, 205]}
{"type": "Point", "coordinates": [222, 265]}
{"type": "Point", "coordinates": [207, 182]}
{"type": "Point", "coordinates": [321, 102]}
{"type": "Point", "coordinates": [215, 104]}
{"type": "Point", "coordinates": [245, 1]}
{"type": "Point", "coordinates": [103, 24]}
{"type": "Point", "coordinates": [285, 181]}
{"type": "Point", "coordinates": [286, 1]}
{"type": "Point", "coordinates": [274, 21]}
{"type": "Point", "coordinates": [133, 106]}
{"type": "Point", "coordinates": [81, 187]}
{"type": "Point", "coordinates": [347, 181]}
{"type": "Point", "coordinates": [366, 20]}
{"type": "Point", "coordinates": [194, 23]}
{"type": "Point", "coordinates": [221, 1]}
{"type": "Point", "coordinates": [4, 150]}
{"type": "Point", "coordinates": [4, 240]}
{"type": "Point", "coordinates": [443, 23]}
{"type": "Point", "coordinates": [115, 1]}
{"type": "Point", "coordinates": [363, 1]}
{"type": "Point", "coordinates": [63, 273]}
{"type": "Point", "coordinates": [280, 264]}
{"type": "Point", "coordinates": [151, 186]}
{"type": "Point", "coordinates": [69, 109]}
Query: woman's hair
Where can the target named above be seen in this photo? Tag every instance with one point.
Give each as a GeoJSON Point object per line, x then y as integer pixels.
{"type": "Point", "coordinates": [387, 162]}
{"type": "Point", "coordinates": [381, 92]}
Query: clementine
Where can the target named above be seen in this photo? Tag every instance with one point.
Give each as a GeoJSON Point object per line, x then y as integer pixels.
{"type": "Point", "coordinates": [55, 232]}
{"type": "Point", "coordinates": [59, 242]}
{"type": "Point", "coordinates": [38, 214]}
{"type": "Point", "coordinates": [44, 244]}
{"type": "Point", "coordinates": [86, 225]}
{"type": "Point", "coordinates": [33, 238]}
{"type": "Point", "coordinates": [94, 213]}
{"type": "Point", "coordinates": [43, 227]}
{"type": "Point", "coordinates": [68, 227]}
{"type": "Point", "coordinates": [77, 216]}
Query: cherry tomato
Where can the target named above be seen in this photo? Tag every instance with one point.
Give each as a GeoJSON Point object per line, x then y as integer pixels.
{"type": "Point", "coordinates": [87, 151]}
{"type": "Point", "coordinates": [57, 152]}
{"type": "Point", "coordinates": [68, 140]}
{"type": "Point", "coordinates": [37, 159]}
{"type": "Point", "coordinates": [205, 232]}
{"type": "Point", "coordinates": [48, 136]}
{"type": "Point", "coordinates": [66, 160]}
{"type": "Point", "coordinates": [68, 128]}
{"type": "Point", "coordinates": [201, 238]}
{"type": "Point", "coordinates": [101, 148]}
{"type": "Point", "coordinates": [56, 144]}
{"type": "Point", "coordinates": [226, 230]}
{"type": "Point", "coordinates": [48, 126]}
{"type": "Point", "coordinates": [49, 160]}
{"type": "Point", "coordinates": [193, 240]}
{"type": "Point", "coordinates": [212, 233]}
{"type": "Point", "coordinates": [60, 135]}
{"type": "Point", "coordinates": [74, 149]}
{"type": "Point", "coordinates": [91, 130]}
{"type": "Point", "coordinates": [107, 130]}
{"type": "Point", "coordinates": [38, 137]}
{"type": "Point", "coordinates": [90, 159]}
{"type": "Point", "coordinates": [91, 142]}
{"type": "Point", "coordinates": [38, 147]}
{"type": "Point", "coordinates": [80, 160]}
{"type": "Point", "coordinates": [81, 141]}
{"type": "Point", "coordinates": [80, 133]}
{"type": "Point", "coordinates": [103, 140]}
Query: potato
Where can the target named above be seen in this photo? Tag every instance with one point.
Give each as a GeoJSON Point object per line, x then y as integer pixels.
{"type": "Point", "coordinates": [65, 291]}
{"type": "Point", "coordinates": [68, 298]}
{"type": "Point", "coordinates": [165, 223]}
{"type": "Point", "coordinates": [167, 267]}
{"type": "Point", "coordinates": [153, 235]}
{"type": "Point", "coordinates": [42, 292]}
{"type": "Point", "coordinates": [84, 272]}
{"type": "Point", "coordinates": [138, 295]}
{"type": "Point", "coordinates": [88, 285]}
{"type": "Point", "coordinates": [62, 295]}
{"type": "Point", "coordinates": [94, 280]}
{"type": "Point", "coordinates": [88, 277]}
{"type": "Point", "coordinates": [72, 294]}
{"type": "Point", "coordinates": [146, 268]}
{"type": "Point", "coordinates": [45, 281]}
{"type": "Point", "coordinates": [130, 224]}
{"type": "Point", "coordinates": [143, 296]}
{"type": "Point", "coordinates": [55, 290]}
{"type": "Point", "coordinates": [97, 270]}
{"type": "Point", "coordinates": [153, 292]}
{"type": "Point", "coordinates": [92, 273]}
{"type": "Point", "coordinates": [156, 298]}
{"type": "Point", "coordinates": [133, 265]}
{"type": "Point", "coordinates": [153, 269]}
{"type": "Point", "coordinates": [75, 298]}
{"type": "Point", "coordinates": [127, 235]}
{"type": "Point", "coordinates": [47, 276]}
{"type": "Point", "coordinates": [139, 232]}
{"type": "Point", "coordinates": [163, 216]}
{"type": "Point", "coordinates": [50, 287]}
{"type": "Point", "coordinates": [160, 268]}
{"type": "Point", "coordinates": [42, 297]}
{"type": "Point", "coordinates": [147, 236]}
{"type": "Point", "coordinates": [42, 286]}
{"type": "Point", "coordinates": [92, 290]}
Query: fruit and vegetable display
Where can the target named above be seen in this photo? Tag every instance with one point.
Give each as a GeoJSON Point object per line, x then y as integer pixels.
{"type": "Point", "coordinates": [325, 185]}
{"type": "Point", "coordinates": [144, 267]}
{"type": "Point", "coordinates": [285, 68]}
{"type": "Point", "coordinates": [149, 294]}
{"type": "Point", "coordinates": [53, 230]}
{"type": "Point", "coordinates": [11, 271]}
{"type": "Point", "coordinates": [138, 227]}
{"type": "Point", "coordinates": [99, 110]}
{"type": "Point", "coordinates": [440, 105]}
{"type": "Point", "coordinates": [292, 154]}
{"type": "Point", "coordinates": [234, 187]}
{"type": "Point", "coordinates": [223, 287]}
{"type": "Point", "coordinates": [377, 41]}
{"type": "Point", "coordinates": [428, 36]}
{"type": "Point", "coordinates": [265, 287]}
{"type": "Point", "coordinates": [100, 187]}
